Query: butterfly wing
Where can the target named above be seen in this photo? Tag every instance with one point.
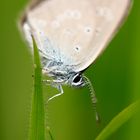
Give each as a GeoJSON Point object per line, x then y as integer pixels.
{"type": "Point", "coordinates": [78, 30]}
{"type": "Point", "coordinates": [110, 14]}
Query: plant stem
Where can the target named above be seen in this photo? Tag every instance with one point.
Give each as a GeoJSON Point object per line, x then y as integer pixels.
{"type": "Point", "coordinates": [37, 122]}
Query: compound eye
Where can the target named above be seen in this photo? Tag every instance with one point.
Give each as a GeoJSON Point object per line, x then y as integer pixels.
{"type": "Point", "coordinates": [77, 79]}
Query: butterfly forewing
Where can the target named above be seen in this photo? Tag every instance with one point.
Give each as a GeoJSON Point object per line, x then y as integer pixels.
{"type": "Point", "coordinates": [78, 30]}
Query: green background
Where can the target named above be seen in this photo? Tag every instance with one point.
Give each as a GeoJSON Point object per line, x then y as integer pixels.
{"type": "Point", "coordinates": [115, 76]}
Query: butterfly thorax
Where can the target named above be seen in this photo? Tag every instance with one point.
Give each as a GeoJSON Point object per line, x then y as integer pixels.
{"type": "Point", "coordinates": [58, 71]}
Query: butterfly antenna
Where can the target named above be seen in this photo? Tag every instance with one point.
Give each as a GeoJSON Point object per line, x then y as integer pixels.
{"type": "Point", "coordinates": [93, 96]}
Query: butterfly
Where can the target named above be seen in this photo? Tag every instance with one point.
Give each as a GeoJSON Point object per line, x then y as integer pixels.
{"type": "Point", "coordinates": [71, 34]}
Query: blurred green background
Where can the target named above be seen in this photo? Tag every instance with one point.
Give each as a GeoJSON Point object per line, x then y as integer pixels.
{"type": "Point", "coordinates": [115, 76]}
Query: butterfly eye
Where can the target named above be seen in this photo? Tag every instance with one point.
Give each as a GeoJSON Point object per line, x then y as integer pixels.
{"type": "Point", "coordinates": [77, 80]}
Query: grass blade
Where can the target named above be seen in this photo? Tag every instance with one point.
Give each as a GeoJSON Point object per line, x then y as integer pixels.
{"type": "Point", "coordinates": [119, 120]}
{"type": "Point", "coordinates": [37, 128]}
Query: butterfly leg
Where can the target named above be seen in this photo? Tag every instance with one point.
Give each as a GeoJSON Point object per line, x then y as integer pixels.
{"type": "Point", "coordinates": [56, 85]}
{"type": "Point", "coordinates": [59, 87]}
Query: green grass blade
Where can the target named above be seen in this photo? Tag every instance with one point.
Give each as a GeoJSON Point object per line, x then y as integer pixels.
{"type": "Point", "coordinates": [37, 128]}
{"type": "Point", "coordinates": [119, 120]}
